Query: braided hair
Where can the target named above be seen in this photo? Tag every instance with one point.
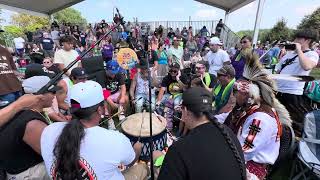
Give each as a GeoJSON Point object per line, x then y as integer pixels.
{"type": "Point", "coordinates": [224, 132]}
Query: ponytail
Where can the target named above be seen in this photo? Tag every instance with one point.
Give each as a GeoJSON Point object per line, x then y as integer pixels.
{"type": "Point", "coordinates": [67, 147]}
{"type": "Point", "coordinates": [210, 116]}
{"type": "Point", "coordinates": [67, 151]}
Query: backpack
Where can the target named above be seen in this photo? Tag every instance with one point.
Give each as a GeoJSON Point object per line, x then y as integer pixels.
{"type": "Point", "coordinates": [312, 90]}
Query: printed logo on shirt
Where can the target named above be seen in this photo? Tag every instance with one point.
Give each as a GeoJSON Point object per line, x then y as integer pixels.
{"type": "Point", "coordinates": [174, 88]}
{"type": "Point", "coordinates": [4, 66]}
{"type": "Point", "coordinates": [86, 171]}
{"type": "Point", "coordinates": [112, 86]}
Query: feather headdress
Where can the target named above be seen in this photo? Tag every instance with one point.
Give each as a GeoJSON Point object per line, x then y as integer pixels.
{"type": "Point", "coordinates": [254, 72]}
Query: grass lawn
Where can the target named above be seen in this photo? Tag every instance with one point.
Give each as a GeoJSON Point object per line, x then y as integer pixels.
{"type": "Point", "coordinates": [315, 73]}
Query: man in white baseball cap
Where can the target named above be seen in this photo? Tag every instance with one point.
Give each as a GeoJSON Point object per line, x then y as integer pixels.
{"type": "Point", "coordinates": [216, 57]}
{"type": "Point", "coordinates": [20, 137]}
{"type": "Point", "coordinates": [80, 149]}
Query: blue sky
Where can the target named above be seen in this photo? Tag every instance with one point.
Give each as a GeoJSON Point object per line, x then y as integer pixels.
{"type": "Point", "coordinates": [177, 10]}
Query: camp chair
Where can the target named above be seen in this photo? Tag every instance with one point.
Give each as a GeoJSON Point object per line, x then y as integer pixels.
{"type": "Point", "coordinates": [307, 164]}
{"type": "Point", "coordinates": [287, 147]}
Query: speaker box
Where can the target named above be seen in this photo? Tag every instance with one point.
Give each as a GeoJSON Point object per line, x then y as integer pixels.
{"type": "Point", "coordinates": [95, 69]}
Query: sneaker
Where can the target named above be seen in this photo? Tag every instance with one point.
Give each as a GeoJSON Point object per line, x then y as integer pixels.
{"type": "Point", "coordinates": [111, 125]}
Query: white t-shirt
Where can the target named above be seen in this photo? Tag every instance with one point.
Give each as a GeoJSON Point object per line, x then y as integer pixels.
{"type": "Point", "coordinates": [263, 146]}
{"type": "Point", "coordinates": [216, 60]}
{"type": "Point", "coordinates": [19, 42]}
{"type": "Point", "coordinates": [55, 35]}
{"type": "Point", "coordinates": [295, 68]}
{"type": "Point", "coordinates": [65, 57]}
{"type": "Point", "coordinates": [176, 55]}
{"type": "Point", "coordinates": [101, 151]}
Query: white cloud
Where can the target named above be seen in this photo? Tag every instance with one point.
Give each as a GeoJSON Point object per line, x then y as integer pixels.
{"type": "Point", "coordinates": [177, 10]}
{"type": "Point", "coordinates": [305, 10]}
{"type": "Point", "coordinates": [205, 14]}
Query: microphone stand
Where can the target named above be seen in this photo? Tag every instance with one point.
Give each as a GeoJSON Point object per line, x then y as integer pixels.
{"type": "Point", "coordinates": [146, 53]}
{"type": "Point", "coordinates": [58, 76]}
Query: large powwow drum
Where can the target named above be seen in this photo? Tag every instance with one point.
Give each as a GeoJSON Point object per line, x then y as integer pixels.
{"type": "Point", "coordinates": [137, 127]}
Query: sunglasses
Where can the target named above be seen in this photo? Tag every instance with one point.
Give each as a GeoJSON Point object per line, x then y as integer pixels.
{"type": "Point", "coordinates": [173, 71]}
{"type": "Point", "coordinates": [46, 62]}
{"type": "Point", "coordinates": [200, 67]}
{"type": "Point", "coordinates": [244, 42]}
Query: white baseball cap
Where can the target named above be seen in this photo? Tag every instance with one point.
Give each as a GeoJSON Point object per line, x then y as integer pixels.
{"type": "Point", "coordinates": [215, 40]}
{"type": "Point", "coordinates": [86, 94]}
{"type": "Point", "coordinates": [35, 83]}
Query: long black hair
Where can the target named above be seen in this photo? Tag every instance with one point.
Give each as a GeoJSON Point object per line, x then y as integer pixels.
{"type": "Point", "coordinates": [67, 147]}
{"type": "Point", "coordinates": [209, 113]}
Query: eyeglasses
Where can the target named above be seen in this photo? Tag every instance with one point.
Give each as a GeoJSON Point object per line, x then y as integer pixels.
{"type": "Point", "coordinates": [173, 71]}
{"type": "Point", "coordinates": [244, 42]}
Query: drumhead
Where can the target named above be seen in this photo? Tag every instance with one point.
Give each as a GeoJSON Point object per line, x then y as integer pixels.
{"type": "Point", "coordinates": [132, 125]}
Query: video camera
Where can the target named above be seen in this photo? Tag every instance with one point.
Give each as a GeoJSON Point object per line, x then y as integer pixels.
{"type": "Point", "coordinates": [289, 46]}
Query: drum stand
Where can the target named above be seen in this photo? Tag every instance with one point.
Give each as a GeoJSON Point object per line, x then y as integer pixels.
{"type": "Point", "coordinates": [146, 54]}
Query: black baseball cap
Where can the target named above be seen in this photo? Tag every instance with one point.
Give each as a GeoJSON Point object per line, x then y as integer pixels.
{"type": "Point", "coordinates": [37, 70]}
{"type": "Point", "coordinates": [78, 72]}
{"type": "Point", "coordinates": [197, 99]}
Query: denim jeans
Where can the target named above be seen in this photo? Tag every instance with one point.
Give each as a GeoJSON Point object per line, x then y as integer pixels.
{"type": "Point", "coordinates": [144, 100]}
{"type": "Point", "coordinates": [11, 97]}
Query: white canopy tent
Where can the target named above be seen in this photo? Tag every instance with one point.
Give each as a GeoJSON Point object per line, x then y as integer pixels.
{"type": "Point", "coordinates": [232, 5]}
{"type": "Point", "coordinates": [46, 8]}
{"type": "Point", "coordinates": [37, 7]}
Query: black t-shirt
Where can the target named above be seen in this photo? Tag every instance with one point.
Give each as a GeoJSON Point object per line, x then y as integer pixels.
{"type": "Point", "coordinates": [99, 34]}
{"type": "Point", "coordinates": [171, 35]}
{"type": "Point", "coordinates": [184, 34]}
{"type": "Point", "coordinates": [76, 34]}
{"type": "Point", "coordinates": [47, 43]}
{"type": "Point", "coordinates": [83, 37]}
{"type": "Point", "coordinates": [17, 156]}
{"type": "Point", "coordinates": [203, 154]}
{"type": "Point", "coordinates": [113, 85]}
{"type": "Point", "coordinates": [172, 84]}
{"type": "Point", "coordinates": [29, 36]}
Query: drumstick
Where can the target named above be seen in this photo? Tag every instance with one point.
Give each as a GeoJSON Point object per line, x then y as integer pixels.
{"type": "Point", "coordinates": [141, 125]}
{"type": "Point", "coordinates": [111, 117]}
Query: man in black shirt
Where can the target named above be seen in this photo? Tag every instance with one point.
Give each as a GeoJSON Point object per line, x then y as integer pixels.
{"type": "Point", "coordinates": [210, 151]}
{"type": "Point", "coordinates": [174, 84]}
{"type": "Point", "coordinates": [115, 93]}
{"type": "Point", "coordinates": [171, 34]}
{"type": "Point", "coordinates": [47, 45]}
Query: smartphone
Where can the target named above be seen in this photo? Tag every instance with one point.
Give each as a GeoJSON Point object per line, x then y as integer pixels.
{"type": "Point", "coordinates": [290, 46]}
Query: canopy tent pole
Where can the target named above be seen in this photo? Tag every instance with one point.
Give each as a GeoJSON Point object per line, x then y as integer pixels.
{"type": "Point", "coordinates": [226, 17]}
{"type": "Point", "coordinates": [257, 22]}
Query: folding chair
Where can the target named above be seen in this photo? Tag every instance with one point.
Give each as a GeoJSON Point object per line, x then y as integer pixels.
{"type": "Point", "coordinates": [307, 164]}
{"type": "Point", "coordinates": [287, 147]}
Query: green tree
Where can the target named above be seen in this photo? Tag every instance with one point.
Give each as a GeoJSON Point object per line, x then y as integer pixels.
{"type": "Point", "coordinates": [280, 31]}
{"type": "Point", "coordinates": [69, 15]}
{"type": "Point", "coordinates": [311, 21]}
{"type": "Point", "coordinates": [29, 22]}
{"type": "Point", "coordinates": [262, 34]}
{"type": "Point", "coordinates": [14, 31]}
